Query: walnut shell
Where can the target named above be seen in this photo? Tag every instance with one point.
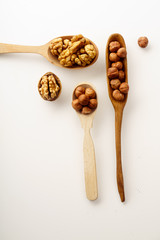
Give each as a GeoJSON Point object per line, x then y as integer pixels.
{"type": "Point", "coordinates": [115, 83]}
{"type": "Point", "coordinates": [90, 92]}
{"type": "Point", "coordinates": [118, 95]}
{"type": "Point", "coordinates": [122, 52]}
{"type": "Point", "coordinates": [113, 57]}
{"type": "Point", "coordinates": [92, 103]}
{"type": "Point", "coordinates": [121, 75]}
{"type": "Point", "coordinates": [86, 110]}
{"type": "Point", "coordinates": [114, 46]}
{"type": "Point", "coordinates": [76, 105]}
{"type": "Point", "coordinates": [118, 65]}
{"type": "Point", "coordinates": [124, 87]}
{"type": "Point", "coordinates": [112, 72]}
{"type": "Point", "coordinates": [143, 42]}
{"type": "Point", "coordinates": [79, 90]}
{"type": "Point", "coordinates": [83, 99]}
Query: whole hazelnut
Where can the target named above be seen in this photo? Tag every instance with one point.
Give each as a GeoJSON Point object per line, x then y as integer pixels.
{"type": "Point", "coordinates": [112, 72]}
{"type": "Point", "coordinates": [124, 87]}
{"type": "Point", "coordinates": [90, 92]}
{"type": "Point", "coordinates": [79, 90]}
{"type": "Point", "coordinates": [118, 95]}
{"type": "Point", "coordinates": [86, 110]}
{"type": "Point", "coordinates": [118, 65]}
{"type": "Point", "coordinates": [115, 83]}
{"type": "Point", "coordinates": [121, 75]}
{"type": "Point", "coordinates": [113, 57]}
{"type": "Point", "coordinates": [114, 46]}
{"type": "Point", "coordinates": [122, 52]}
{"type": "Point", "coordinates": [83, 99]}
{"type": "Point", "coordinates": [92, 103]}
{"type": "Point", "coordinates": [76, 105]}
{"type": "Point", "coordinates": [143, 42]}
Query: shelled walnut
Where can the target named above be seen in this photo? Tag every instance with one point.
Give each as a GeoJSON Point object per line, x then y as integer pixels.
{"type": "Point", "coordinates": [49, 86]}
{"type": "Point", "coordinates": [116, 71]}
{"type": "Point", "coordinates": [85, 99]}
{"type": "Point", "coordinates": [77, 51]}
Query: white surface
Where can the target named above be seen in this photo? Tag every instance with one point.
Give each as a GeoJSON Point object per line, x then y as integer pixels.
{"type": "Point", "coordinates": [42, 194]}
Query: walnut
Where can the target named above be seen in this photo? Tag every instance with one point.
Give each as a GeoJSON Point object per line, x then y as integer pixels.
{"type": "Point", "coordinates": [48, 87]}
{"type": "Point", "coordinates": [77, 51]}
{"type": "Point", "coordinates": [90, 50]}
{"type": "Point", "coordinates": [56, 46]}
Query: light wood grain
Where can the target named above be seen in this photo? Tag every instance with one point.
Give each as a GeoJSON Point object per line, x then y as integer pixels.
{"type": "Point", "coordinates": [43, 50]}
{"type": "Point", "coordinates": [118, 106]}
{"type": "Point", "coordinates": [89, 152]}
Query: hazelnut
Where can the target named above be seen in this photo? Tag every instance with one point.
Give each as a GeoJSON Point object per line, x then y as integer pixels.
{"type": "Point", "coordinates": [90, 92]}
{"type": "Point", "coordinates": [112, 72]}
{"type": "Point", "coordinates": [83, 99]}
{"type": "Point", "coordinates": [124, 87]}
{"type": "Point", "coordinates": [113, 57]}
{"type": "Point", "coordinates": [114, 46]}
{"type": "Point", "coordinates": [143, 42]}
{"type": "Point", "coordinates": [92, 103]}
{"type": "Point", "coordinates": [86, 110]}
{"type": "Point", "coordinates": [118, 95]}
{"type": "Point", "coordinates": [121, 75]}
{"type": "Point", "coordinates": [79, 90]}
{"type": "Point", "coordinates": [115, 83]}
{"type": "Point", "coordinates": [122, 52]}
{"type": "Point", "coordinates": [76, 105]}
{"type": "Point", "coordinates": [118, 65]}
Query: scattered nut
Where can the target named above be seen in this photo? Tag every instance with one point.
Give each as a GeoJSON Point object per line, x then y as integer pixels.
{"type": "Point", "coordinates": [92, 103]}
{"type": "Point", "coordinates": [90, 93]}
{"type": "Point", "coordinates": [112, 72]}
{"type": "Point", "coordinates": [124, 87]}
{"type": "Point", "coordinates": [143, 42]}
{"type": "Point", "coordinates": [49, 87]}
{"type": "Point", "coordinates": [115, 83]}
{"type": "Point", "coordinates": [86, 110]}
{"type": "Point", "coordinates": [122, 52]}
{"type": "Point", "coordinates": [83, 99]}
{"type": "Point", "coordinates": [77, 51]}
{"type": "Point", "coordinates": [76, 105]}
{"type": "Point", "coordinates": [118, 65]}
{"type": "Point", "coordinates": [113, 57]}
{"type": "Point", "coordinates": [114, 46]}
{"type": "Point", "coordinates": [79, 91]}
{"type": "Point", "coordinates": [118, 95]}
{"type": "Point", "coordinates": [121, 75]}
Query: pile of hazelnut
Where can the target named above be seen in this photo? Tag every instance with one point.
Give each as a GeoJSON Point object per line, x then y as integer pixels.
{"type": "Point", "coordinates": [86, 100]}
{"type": "Point", "coordinates": [77, 51]}
{"type": "Point", "coordinates": [116, 73]}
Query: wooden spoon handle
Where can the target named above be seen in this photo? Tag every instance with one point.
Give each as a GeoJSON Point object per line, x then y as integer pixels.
{"type": "Point", "coordinates": [89, 166]}
{"type": "Point", "coordinates": [118, 122]}
{"type": "Point", "coordinates": [12, 48]}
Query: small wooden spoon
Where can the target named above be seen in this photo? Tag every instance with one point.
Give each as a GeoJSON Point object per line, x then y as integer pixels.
{"type": "Point", "coordinates": [118, 106]}
{"type": "Point", "coordinates": [43, 50]}
{"type": "Point", "coordinates": [88, 151]}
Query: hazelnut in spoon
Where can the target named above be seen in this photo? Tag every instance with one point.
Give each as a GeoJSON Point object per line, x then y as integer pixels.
{"type": "Point", "coordinates": [66, 51]}
{"type": "Point", "coordinates": [84, 101]}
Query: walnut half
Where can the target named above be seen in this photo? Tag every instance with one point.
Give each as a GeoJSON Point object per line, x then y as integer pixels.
{"type": "Point", "coordinates": [49, 86]}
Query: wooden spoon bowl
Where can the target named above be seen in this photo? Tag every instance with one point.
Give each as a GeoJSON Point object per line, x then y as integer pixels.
{"type": "Point", "coordinates": [43, 50]}
{"type": "Point", "coordinates": [88, 150]}
{"type": "Point", "coordinates": [118, 106]}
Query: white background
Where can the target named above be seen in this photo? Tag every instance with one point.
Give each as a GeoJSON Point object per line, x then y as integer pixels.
{"type": "Point", "coordinates": [42, 194]}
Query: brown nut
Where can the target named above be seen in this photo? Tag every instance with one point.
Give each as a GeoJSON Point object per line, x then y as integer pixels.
{"type": "Point", "coordinates": [143, 42]}
{"type": "Point", "coordinates": [114, 46]}
{"type": "Point", "coordinates": [122, 52]}
{"type": "Point", "coordinates": [118, 65]}
{"type": "Point", "coordinates": [121, 75]}
{"type": "Point", "coordinates": [90, 92]}
{"type": "Point", "coordinates": [83, 99]}
{"type": "Point", "coordinates": [76, 105]}
{"type": "Point", "coordinates": [118, 95]}
{"type": "Point", "coordinates": [124, 87]}
{"type": "Point", "coordinates": [86, 110]}
{"type": "Point", "coordinates": [79, 90]}
{"type": "Point", "coordinates": [115, 83]}
{"type": "Point", "coordinates": [112, 72]}
{"type": "Point", "coordinates": [92, 103]}
{"type": "Point", "coordinates": [113, 57]}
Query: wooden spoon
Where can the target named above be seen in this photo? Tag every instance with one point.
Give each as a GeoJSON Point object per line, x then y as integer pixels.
{"type": "Point", "coordinates": [118, 106]}
{"type": "Point", "coordinates": [43, 50]}
{"type": "Point", "coordinates": [88, 151]}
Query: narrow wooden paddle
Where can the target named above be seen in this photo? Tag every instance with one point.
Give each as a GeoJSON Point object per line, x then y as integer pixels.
{"type": "Point", "coordinates": [118, 107]}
